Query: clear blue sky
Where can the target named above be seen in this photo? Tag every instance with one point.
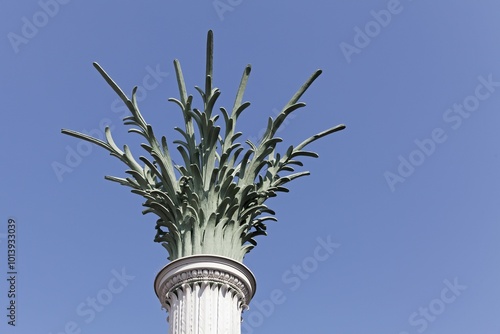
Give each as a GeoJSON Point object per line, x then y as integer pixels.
{"type": "Point", "coordinates": [410, 190]}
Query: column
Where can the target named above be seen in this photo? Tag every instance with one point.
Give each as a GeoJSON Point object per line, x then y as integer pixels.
{"type": "Point", "coordinates": [205, 294]}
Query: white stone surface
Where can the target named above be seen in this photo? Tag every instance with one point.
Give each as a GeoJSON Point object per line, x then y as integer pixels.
{"type": "Point", "coordinates": [205, 294]}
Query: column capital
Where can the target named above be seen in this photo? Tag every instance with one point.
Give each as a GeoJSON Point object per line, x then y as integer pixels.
{"type": "Point", "coordinates": [228, 274]}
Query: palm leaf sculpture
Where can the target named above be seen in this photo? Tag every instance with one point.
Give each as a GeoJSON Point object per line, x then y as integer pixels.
{"type": "Point", "coordinates": [214, 202]}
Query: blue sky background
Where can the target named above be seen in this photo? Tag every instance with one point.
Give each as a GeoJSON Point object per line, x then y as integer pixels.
{"type": "Point", "coordinates": [401, 243]}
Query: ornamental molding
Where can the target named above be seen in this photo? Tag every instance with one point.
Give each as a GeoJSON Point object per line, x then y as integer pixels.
{"type": "Point", "coordinates": [205, 270]}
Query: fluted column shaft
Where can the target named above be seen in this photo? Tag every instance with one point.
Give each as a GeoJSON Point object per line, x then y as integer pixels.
{"type": "Point", "coordinates": [205, 294]}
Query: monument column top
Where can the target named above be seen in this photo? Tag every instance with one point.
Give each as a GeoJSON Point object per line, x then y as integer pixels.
{"type": "Point", "coordinates": [214, 200]}
{"type": "Point", "coordinates": [209, 269]}
{"type": "Point", "coordinates": [211, 206]}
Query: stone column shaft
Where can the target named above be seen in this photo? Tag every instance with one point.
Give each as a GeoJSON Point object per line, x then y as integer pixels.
{"type": "Point", "coordinates": [205, 294]}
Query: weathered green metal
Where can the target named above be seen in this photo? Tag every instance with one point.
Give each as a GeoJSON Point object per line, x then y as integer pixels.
{"type": "Point", "coordinates": [214, 202]}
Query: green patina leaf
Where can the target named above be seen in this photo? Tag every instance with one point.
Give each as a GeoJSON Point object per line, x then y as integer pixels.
{"type": "Point", "coordinates": [214, 203]}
